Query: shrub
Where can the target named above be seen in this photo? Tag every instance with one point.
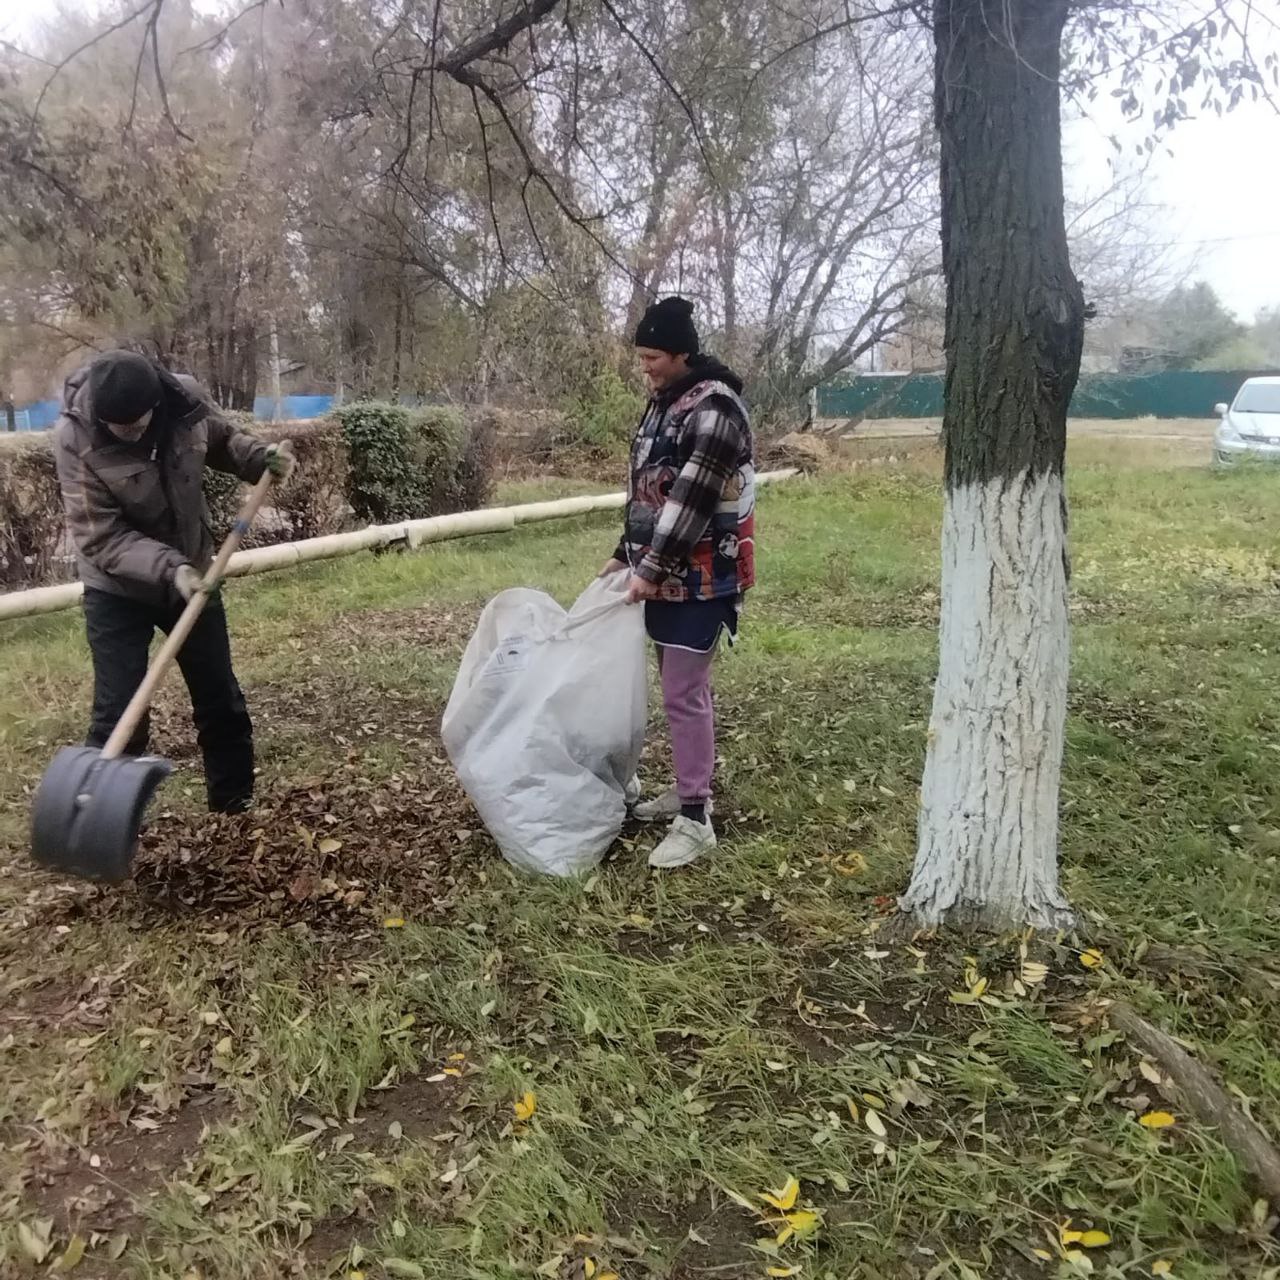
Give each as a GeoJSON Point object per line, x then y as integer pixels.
{"type": "Point", "coordinates": [32, 531]}
{"type": "Point", "coordinates": [603, 416]}
{"type": "Point", "coordinates": [385, 484]}
{"type": "Point", "coordinates": [473, 476]}
{"type": "Point", "coordinates": [410, 463]}
{"type": "Point", "coordinates": [223, 495]}
{"type": "Point", "coordinates": [457, 459]}
{"type": "Point", "coordinates": [313, 503]}
{"type": "Point", "coordinates": [438, 439]}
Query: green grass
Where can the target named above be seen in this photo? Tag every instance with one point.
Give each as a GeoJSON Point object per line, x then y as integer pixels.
{"type": "Point", "coordinates": [702, 1037]}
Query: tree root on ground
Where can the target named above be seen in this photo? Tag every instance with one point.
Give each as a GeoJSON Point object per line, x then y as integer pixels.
{"type": "Point", "coordinates": [1211, 1104]}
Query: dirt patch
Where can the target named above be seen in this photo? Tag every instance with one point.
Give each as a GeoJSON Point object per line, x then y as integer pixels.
{"type": "Point", "coordinates": [103, 1188]}
{"type": "Point", "coordinates": [423, 1106]}
{"type": "Point", "coordinates": [696, 1240]}
{"type": "Point", "coordinates": [422, 1109]}
{"type": "Point", "coordinates": [44, 1006]}
{"type": "Point", "coordinates": [35, 1009]}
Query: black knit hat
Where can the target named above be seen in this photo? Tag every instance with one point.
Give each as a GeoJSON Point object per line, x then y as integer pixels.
{"type": "Point", "coordinates": [123, 386]}
{"type": "Point", "coordinates": [668, 326]}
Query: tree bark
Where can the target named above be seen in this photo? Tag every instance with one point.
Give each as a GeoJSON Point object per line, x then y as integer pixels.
{"type": "Point", "coordinates": [987, 855]}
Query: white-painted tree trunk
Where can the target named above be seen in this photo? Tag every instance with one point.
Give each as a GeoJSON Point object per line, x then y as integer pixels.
{"type": "Point", "coordinates": [988, 834]}
{"type": "Point", "coordinates": [277, 403]}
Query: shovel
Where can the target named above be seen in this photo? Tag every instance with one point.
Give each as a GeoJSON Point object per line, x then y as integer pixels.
{"type": "Point", "coordinates": [89, 805]}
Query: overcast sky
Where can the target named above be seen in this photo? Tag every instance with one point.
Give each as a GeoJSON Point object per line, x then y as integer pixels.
{"type": "Point", "coordinates": [1217, 180]}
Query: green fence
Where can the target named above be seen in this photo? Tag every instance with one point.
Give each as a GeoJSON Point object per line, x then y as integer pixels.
{"type": "Point", "coordinates": [1178, 394]}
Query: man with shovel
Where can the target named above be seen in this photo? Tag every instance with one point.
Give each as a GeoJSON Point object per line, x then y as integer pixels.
{"type": "Point", "coordinates": [131, 447]}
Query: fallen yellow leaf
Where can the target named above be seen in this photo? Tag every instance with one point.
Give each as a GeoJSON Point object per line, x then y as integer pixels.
{"type": "Point", "coordinates": [1043, 1254]}
{"type": "Point", "coordinates": [1095, 1239]}
{"type": "Point", "coordinates": [72, 1256]}
{"type": "Point", "coordinates": [875, 1124]}
{"type": "Point", "coordinates": [853, 1110]}
{"type": "Point", "coordinates": [783, 1236]}
{"type": "Point", "coordinates": [1092, 958]}
{"type": "Point", "coordinates": [1033, 972]}
{"type": "Point", "coordinates": [1162, 1267]}
{"type": "Point", "coordinates": [1150, 1072]}
{"type": "Point", "coordinates": [1157, 1120]}
{"type": "Point", "coordinates": [783, 1271]}
{"type": "Point", "coordinates": [525, 1107]}
{"type": "Point", "coordinates": [804, 1222]}
{"type": "Point", "coordinates": [589, 1268]}
{"type": "Point", "coordinates": [393, 922]}
{"type": "Point", "coordinates": [607, 1275]}
{"type": "Point", "coordinates": [784, 1197]}
{"type": "Point", "coordinates": [457, 1057]}
{"type": "Point", "coordinates": [852, 864]}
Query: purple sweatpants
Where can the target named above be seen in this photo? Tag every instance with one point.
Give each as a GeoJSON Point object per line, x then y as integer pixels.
{"type": "Point", "coordinates": [686, 695]}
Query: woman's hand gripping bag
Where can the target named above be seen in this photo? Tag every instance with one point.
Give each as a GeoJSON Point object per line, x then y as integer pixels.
{"type": "Point", "coordinates": [546, 723]}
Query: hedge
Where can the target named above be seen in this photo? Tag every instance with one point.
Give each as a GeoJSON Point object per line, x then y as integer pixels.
{"type": "Point", "coordinates": [31, 526]}
{"type": "Point", "coordinates": [366, 463]}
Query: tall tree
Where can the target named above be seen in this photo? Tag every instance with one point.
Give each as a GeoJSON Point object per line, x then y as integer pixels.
{"type": "Point", "coordinates": [987, 852]}
{"type": "Point", "coordinates": [1191, 323]}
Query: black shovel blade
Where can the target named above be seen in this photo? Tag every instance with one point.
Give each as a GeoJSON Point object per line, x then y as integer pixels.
{"type": "Point", "coordinates": [87, 811]}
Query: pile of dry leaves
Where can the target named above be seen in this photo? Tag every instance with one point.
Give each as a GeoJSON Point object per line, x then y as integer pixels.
{"type": "Point", "coordinates": [322, 849]}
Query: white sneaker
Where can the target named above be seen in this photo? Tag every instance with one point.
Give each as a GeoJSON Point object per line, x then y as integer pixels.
{"type": "Point", "coordinates": [686, 842]}
{"type": "Point", "coordinates": [662, 808]}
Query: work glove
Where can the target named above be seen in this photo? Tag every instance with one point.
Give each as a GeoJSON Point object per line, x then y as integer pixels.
{"type": "Point", "coordinates": [186, 581]}
{"type": "Point", "coordinates": [281, 462]}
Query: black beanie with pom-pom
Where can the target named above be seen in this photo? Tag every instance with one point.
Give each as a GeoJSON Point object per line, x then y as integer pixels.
{"type": "Point", "coordinates": [668, 326]}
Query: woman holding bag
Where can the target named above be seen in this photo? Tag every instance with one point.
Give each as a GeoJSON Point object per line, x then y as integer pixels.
{"type": "Point", "coordinates": [689, 548]}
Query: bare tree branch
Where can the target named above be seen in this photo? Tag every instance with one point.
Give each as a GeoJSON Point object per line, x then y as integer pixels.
{"type": "Point", "coordinates": [132, 16]}
{"type": "Point", "coordinates": [215, 41]}
{"type": "Point", "coordinates": [457, 63]}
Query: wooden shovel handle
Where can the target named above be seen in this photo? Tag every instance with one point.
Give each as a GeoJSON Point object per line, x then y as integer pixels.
{"type": "Point", "coordinates": [141, 700]}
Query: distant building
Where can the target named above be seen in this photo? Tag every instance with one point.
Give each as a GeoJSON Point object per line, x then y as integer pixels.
{"type": "Point", "coordinates": [1141, 359]}
{"type": "Point", "coordinates": [916, 347]}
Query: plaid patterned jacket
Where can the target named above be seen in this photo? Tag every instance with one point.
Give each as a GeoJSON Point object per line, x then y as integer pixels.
{"type": "Point", "coordinates": [690, 524]}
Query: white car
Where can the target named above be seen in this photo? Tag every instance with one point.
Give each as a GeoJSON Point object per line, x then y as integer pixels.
{"type": "Point", "coordinates": [1250, 426]}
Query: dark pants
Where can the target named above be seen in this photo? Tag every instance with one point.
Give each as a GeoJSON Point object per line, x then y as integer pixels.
{"type": "Point", "coordinates": [120, 632]}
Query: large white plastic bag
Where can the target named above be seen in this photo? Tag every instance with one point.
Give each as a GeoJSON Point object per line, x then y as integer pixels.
{"type": "Point", "coordinates": [546, 723]}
